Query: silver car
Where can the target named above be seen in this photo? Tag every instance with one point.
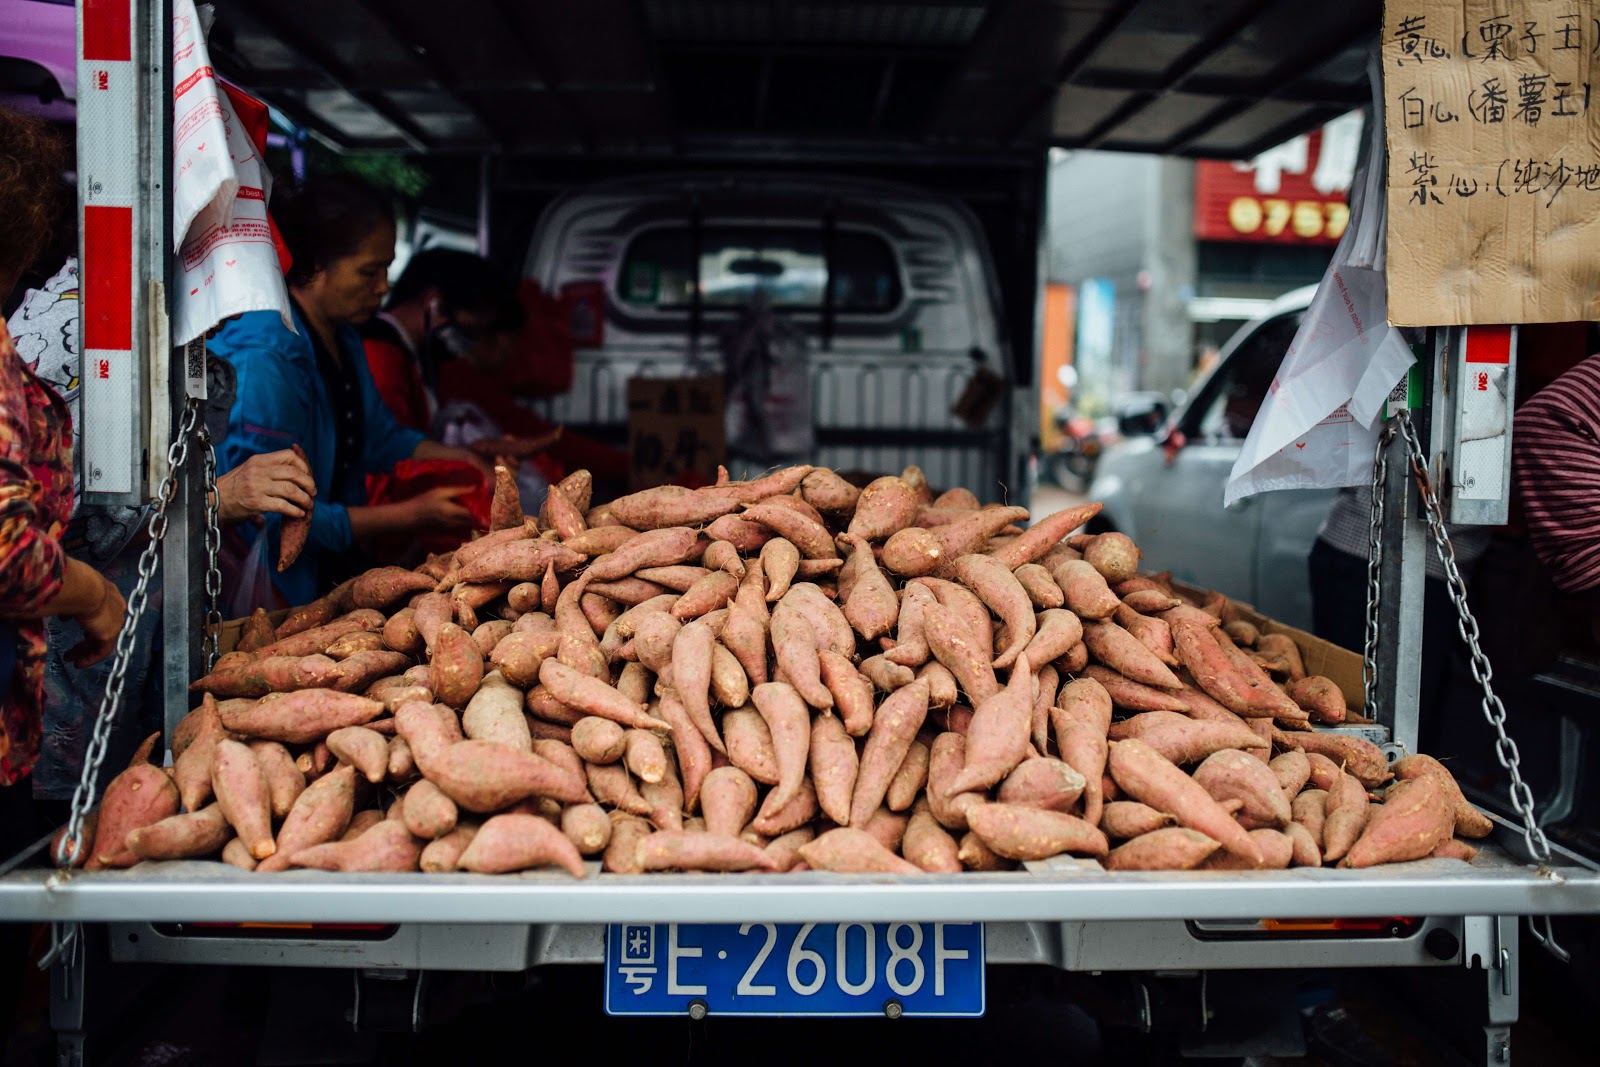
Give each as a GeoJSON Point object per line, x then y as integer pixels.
{"type": "Point", "coordinates": [1165, 490]}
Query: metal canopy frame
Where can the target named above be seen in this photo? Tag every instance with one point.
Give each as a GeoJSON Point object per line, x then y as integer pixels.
{"type": "Point", "coordinates": [664, 77]}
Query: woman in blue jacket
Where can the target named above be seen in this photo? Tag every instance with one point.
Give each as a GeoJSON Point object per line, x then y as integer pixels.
{"type": "Point", "coordinates": [311, 387]}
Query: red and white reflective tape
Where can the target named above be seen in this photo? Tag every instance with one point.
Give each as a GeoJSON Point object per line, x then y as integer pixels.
{"type": "Point", "coordinates": [1484, 415]}
{"type": "Point", "coordinates": [108, 168]}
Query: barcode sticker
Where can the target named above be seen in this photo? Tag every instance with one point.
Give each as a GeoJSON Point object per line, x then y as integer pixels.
{"type": "Point", "coordinates": [194, 369]}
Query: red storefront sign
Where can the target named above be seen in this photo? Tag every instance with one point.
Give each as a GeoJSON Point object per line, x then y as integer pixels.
{"type": "Point", "coordinates": [1230, 204]}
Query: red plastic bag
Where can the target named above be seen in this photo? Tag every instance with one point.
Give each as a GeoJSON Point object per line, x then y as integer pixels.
{"type": "Point", "coordinates": [412, 477]}
{"type": "Point", "coordinates": [543, 363]}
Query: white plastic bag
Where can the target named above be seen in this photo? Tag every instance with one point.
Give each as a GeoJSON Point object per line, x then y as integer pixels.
{"type": "Point", "coordinates": [1318, 427]}
{"type": "Point", "coordinates": [768, 374]}
{"type": "Point", "coordinates": [227, 262]}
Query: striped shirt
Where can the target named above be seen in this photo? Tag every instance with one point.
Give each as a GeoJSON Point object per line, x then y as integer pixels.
{"type": "Point", "coordinates": [1555, 463]}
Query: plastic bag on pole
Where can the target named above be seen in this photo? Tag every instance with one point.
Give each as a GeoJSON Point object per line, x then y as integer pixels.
{"type": "Point", "coordinates": [1318, 427]}
{"type": "Point", "coordinates": [228, 260]}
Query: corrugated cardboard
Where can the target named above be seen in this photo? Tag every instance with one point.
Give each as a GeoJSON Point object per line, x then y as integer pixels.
{"type": "Point", "coordinates": [1493, 122]}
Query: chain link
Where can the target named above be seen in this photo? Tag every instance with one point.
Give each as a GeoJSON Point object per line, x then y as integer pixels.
{"type": "Point", "coordinates": [1495, 711]}
{"type": "Point", "coordinates": [213, 624]}
{"type": "Point", "coordinates": [71, 845]}
{"type": "Point", "coordinates": [1369, 665]}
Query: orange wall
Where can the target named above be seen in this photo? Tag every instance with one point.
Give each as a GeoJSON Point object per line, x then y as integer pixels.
{"type": "Point", "coordinates": [1060, 314]}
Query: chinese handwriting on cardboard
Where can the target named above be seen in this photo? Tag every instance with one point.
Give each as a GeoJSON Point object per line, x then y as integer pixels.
{"type": "Point", "coordinates": [1494, 160]}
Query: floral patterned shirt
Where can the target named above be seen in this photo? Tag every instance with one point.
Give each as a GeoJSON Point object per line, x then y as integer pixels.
{"type": "Point", "coordinates": [35, 504]}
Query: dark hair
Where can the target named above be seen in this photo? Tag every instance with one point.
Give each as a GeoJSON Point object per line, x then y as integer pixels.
{"type": "Point", "coordinates": [464, 280]}
{"type": "Point", "coordinates": [326, 219]}
{"type": "Point", "coordinates": [32, 158]}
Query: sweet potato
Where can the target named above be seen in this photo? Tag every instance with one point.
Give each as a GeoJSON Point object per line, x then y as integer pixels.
{"type": "Point", "coordinates": [829, 493]}
{"type": "Point", "coordinates": [975, 855]}
{"type": "Point", "coordinates": [1040, 587]}
{"type": "Point", "coordinates": [579, 489]}
{"type": "Point", "coordinates": [191, 768]}
{"type": "Point", "coordinates": [883, 508]}
{"type": "Point", "coordinates": [356, 672]}
{"type": "Point", "coordinates": [749, 745]}
{"type": "Point", "coordinates": [1282, 646]}
{"type": "Point", "coordinates": [612, 784]}
{"type": "Point", "coordinates": [1357, 755]}
{"type": "Point", "coordinates": [1003, 594]}
{"type": "Point", "coordinates": [655, 548]}
{"type": "Point", "coordinates": [1231, 775]}
{"type": "Point", "coordinates": [365, 750]}
{"type": "Point", "coordinates": [402, 764]}
{"type": "Point", "coordinates": [285, 782]}
{"type": "Point", "coordinates": [885, 674]}
{"type": "Point", "coordinates": [1469, 821]}
{"type": "Point", "coordinates": [690, 745]}
{"type": "Point", "coordinates": [1046, 684]}
{"type": "Point", "coordinates": [779, 561]}
{"type": "Point", "coordinates": [242, 792]}
{"type": "Point", "coordinates": [1128, 819]}
{"type": "Point", "coordinates": [443, 855]}
{"type": "Point", "coordinates": [307, 617]}
{"type": "Point", "coordinates": [593, 697]}
{"type": "Point", "coordinates": [894, 728]}
{"type": "Point", "coordinates": [784, 850]}
{"type": "Point", "coordinates": [427, 812]}
{"type": "Point", "coordinates": [644, 756]}
{"type": "Point", "coordinates": [953, 645]}
{"type": "Point", "coordinates": [360, 823]}
{"type": "Point", "coordinates": [1303, 848]}
{"type": "Point", "coordinates": [928, 845]}
{"type": "Point", "coordinates": [1310, 809]}
{"type": "Point", "coordinates": [180, 837]}
{"type": "Point", "coordinates": [516, 842]}
{"type": "Point", "coordinates": [495, 714]}
{"type": "Point", "coordinates": [727, 800]}
{"type": "Point", "coordinates": [1085, 590]}
{"type": "Point", "coordinates": [505, 510]}
{"type": "Point", "coordinates": [599, 740]}
{"type": "Point", "coordinates": [234, 854]}
{"type": "Point", "coordinates": [388, 846]}
{"type": "Point", "coordinates": [542, 705]}
{"type": "Point", "coordinates": [669, 506]}
{"type": "Point", "coordinates": [834, 766]}
{"type": "Point", "coordinates": [482, 776]}
{"type": "Point", "coordinates": [709, 591]}
{"type": "Point", "coordinates": [1323, 771]}
{"type": "Point", "coordinates": [970, 533]}
{"type": "Point", "coordinates": [1181, 739]}
{"type": "Point", "coordinates": [690, 850]}
{"type": "Point", "coordinates": [257, 632]}
{"type": "Point", "coordinates": [1292, 770]}
{"type": "Point", "coordinates": [381, 587]}
{"type": "Point", "coordinates": [1085, 700]}
{"type": "Point", "coordinates": [913, 552]}
{"type": "Point", "coordinates": [1150, 601]}
{"type": "Point", "coordinates": [789, 725]}
{"type": "Point", "coordinates": [597, 541]}
{"type": "Point", "coordinates": [455, 666]}
{"type": "Point", "coordinates": [743, 534]}
{"type": "Point", "coordinates": [1416, 817]}
{"type": "Point", "coordinates": [1023, 833]}
{"type": "Point", "coordinates": [269, 674]}
{"type": "Point", "coordinates": [1171, 848]}
{"type": "Point", "coordinates": [871, 606]}
{"type": "Point", "coordinates": [1454, 849]}
{"type": "Point", "coordinates": [1043, 783]}
{"type": "Point", "coordinates": [774, 820]}
{"type": "Point", "coordinates": [909, 781]}
{"type": "Point", "coordinates": [851, 691]}
{"type": "Point", "coordinates": [1044, 535]}
{"type": "Point", "coordinates": [1151, 778]}
{"type": "Point", "coordinates": [828, 623]}
{"type": "Point", "coordinates": [998, 739]}
{"type": "Point", "coordinates": [942, 690]}
{"type": "Point", "coordinates": [1154, 634]}
{"type": "Point", "coordinates": [1083, 748]}
{"type": "Point", "coordinates": [1346, 817]}
{"type": "Point", "coordinates": [794, 644]}
{"type": "Point", "coordinates": [1124, 653]}
{"type": "Point", "coordinates": [400, 633]}
{"type": "Point", "coordinates": [745, 635]}
{"type": "Point", "coordinates": [1321, 697]}
{"type": "Point", "coordinates": [692, 655]}
{"type": "Point", "coordinates": [1134, 696]}
{"type": "Point", "coordinates": [1277, 853]}
{"type": "Point", "coordinates": [805, 533]}
{"type": "Point", "coordinates": [588, 827]}
{"type": "Point", "coordinates": [724, 556]}
{"type": "Point", "coordinates": [1114, 555]}
{"type": "Point", "coordinates": [850, 851]}
{"type": "Point", "coordinates": [622, 852]}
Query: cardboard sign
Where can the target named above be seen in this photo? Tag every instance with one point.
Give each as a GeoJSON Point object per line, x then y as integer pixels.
{"type": "Point", "coordinates": [676, 430]}
{"type": "Point", "coordinates": [1494, 160]}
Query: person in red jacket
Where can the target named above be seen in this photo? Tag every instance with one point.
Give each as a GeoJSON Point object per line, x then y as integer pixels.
{"type": "Point", "coordinates": [442, 304]}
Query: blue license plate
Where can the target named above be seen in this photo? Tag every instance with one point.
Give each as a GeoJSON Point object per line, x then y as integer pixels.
{"type": "Point", "coordinates": [923, 969]}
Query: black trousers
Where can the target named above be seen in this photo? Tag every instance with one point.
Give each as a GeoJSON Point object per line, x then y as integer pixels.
{"type": "Point", "coordinates": [1339, 614]}
{"type": "Point", "coordinates": [22, 822]}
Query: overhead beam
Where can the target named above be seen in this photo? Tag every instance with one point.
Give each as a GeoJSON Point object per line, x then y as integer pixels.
{"type": "Point", "coordinates": [1074, 61]}
{"type": "Point", "coordinates": [1180, 70]}
{"type": "Point", "coordinates": [335, 72]}
{"type": "Point", "coordinates": [1276, 87]}
{"type": "Point", "coordinates": [880, 102]}
{"type": "Point", "coordinates": [533, 56]}
{"type": "Point", "coordinates": [384, 16]}
{"type": "Point", "coordinates": [1280, 133]}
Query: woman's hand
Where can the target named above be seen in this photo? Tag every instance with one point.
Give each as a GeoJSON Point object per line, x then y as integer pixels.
{"type": "Point", "coordinates": [100, 627]}
{"type": "Point", "coordinates": [273, 481]}
{"type": "Point", "coordinates": [437, 509]}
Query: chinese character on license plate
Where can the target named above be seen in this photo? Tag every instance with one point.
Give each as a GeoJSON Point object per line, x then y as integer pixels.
{"type": "Point", "coordinates": [926, 969]}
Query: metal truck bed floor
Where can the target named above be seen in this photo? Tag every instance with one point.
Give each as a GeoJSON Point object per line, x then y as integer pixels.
{"type": "Point", "coordinates": [1060, 890]}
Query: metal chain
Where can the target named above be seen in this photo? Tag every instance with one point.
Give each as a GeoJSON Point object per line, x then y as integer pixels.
{"type": "Point", "coordinates": [71, 846]}
{"type": "Point", "coordinates": [1369, 665]}
{"type": "Point", "coordinates": [213, 626]}
{"type": "Point", "coordinates": [1495, 711]}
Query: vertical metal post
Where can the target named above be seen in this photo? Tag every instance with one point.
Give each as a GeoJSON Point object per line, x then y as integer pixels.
{"type": "Point", "coordinates": [1404, 571]}
{"type": "Point", "coordinates": [485, 195]}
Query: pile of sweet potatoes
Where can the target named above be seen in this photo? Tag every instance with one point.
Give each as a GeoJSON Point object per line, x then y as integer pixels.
{"type": "Point", "coordinates": [773, 675]}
